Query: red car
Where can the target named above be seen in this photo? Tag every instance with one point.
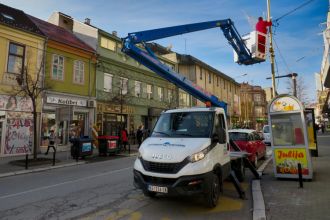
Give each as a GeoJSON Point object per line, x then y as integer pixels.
{"type": "Point", "coordinates": [250, 141]}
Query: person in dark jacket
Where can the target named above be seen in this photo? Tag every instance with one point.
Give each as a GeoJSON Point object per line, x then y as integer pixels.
{"type": "Point", "coordinates": [139, 135]}
{"type": "Point", "coordinates": [51, 140]}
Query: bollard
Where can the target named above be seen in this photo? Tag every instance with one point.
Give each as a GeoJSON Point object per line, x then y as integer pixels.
{"type": "Point", "coordinates": [26, 161]}
{"type": "Point", "coordinates": [300, 176]}
{"type": "Point", "coordinates": [54, 153]}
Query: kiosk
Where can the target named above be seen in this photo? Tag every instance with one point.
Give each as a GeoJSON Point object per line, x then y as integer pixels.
{"type": "Point", "coordinates": [289, 140]}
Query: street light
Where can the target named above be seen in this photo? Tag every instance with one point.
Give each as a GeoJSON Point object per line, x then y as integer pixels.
{"type": "Point", "coordinates": [293, 76]}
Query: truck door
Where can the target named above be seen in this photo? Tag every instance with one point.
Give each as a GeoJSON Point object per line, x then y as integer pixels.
{"type": "Point", "coordinates": [221, 131]}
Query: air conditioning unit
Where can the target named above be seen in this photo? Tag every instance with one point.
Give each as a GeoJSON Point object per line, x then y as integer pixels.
{"type": "Point", "coordinates": [91, 103]}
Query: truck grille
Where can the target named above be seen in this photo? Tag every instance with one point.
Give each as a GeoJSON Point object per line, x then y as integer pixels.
{"type": "Point", "coordinates": [163, 167]}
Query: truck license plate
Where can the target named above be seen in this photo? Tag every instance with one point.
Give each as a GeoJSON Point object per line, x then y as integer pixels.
{"type": "Point", "coordinates": [159, 189]}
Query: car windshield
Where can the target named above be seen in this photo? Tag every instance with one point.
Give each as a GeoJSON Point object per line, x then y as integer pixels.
{"type": "Point", "coordinates": [238, 136]}
{"type": "Point", "coordinates": [266, 129]}
{"type": "Point", "coordinates": [184, 124]}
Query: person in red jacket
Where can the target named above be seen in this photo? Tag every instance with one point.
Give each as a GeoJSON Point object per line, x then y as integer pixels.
{"type": "Point", "coordinates": [124, 138]}
{"type": "Point", "coordinates": [261, 27]}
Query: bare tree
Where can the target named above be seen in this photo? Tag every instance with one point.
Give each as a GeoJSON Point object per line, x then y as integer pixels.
{"type": "Point", "coordinates": [30, 84]}
{"type": "Point", "coordinates": [301, 89]}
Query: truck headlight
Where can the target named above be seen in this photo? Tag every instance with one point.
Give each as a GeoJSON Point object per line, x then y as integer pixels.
{"type": "Point", "coordinates": [199, 156]}
{"type": "Point", "coordinates": [139, 156]}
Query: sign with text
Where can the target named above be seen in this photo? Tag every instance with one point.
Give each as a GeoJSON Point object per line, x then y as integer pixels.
{"type": "Point", "coordinates": [287, 159]}
{"type": "Point", "coordinates": [284, 104]}
{"type": "Point", "coordinates": [66, 101]}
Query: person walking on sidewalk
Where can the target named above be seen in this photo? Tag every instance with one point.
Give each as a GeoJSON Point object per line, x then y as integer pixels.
{"type": "Point", "coordinates": [139, 135]}
{"type": "Point", "coordinates": [51, 140]}
{"type": "Point", "coordinates": [124, 138]}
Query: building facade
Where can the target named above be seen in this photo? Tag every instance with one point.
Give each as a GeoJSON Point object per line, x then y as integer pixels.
{"type": "Point", "coordinates": [21, 48]}
{"type": "Point", "coordinates": [69, 101]}
{"type": "Point", "coordinates": [127, 93]}
{"type": "Point", "coordinates": [253, 107]}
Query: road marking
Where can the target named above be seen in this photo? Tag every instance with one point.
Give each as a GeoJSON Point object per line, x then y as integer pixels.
{"type": "Point", "coordinates": [64, 183]}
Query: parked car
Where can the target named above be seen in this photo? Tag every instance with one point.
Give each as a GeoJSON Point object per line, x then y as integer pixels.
{"type": "Point", "coordinates": [250, 141]}
{"type": "Point", "coordinates": [266, 135]}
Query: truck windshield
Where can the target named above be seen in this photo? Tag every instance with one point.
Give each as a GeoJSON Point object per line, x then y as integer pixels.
{"type": "Point", "coordinates": [184, 124]}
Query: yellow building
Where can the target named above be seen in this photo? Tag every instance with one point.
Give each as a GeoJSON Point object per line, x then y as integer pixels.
{"type": "Point", "coordinates": [21, 48]}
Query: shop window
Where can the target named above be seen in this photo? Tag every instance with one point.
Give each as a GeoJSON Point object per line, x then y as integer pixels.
{"type": "Point", "coordinates": [58, 67]}
{"type": "Point", "coordinates": [79, 72]}
{"type": "Point", "coordinates": [107, 87]}
{"type": "Point", "coordinates": [48, 124]}
{"type": "Point", "coordinates": [15, 58]}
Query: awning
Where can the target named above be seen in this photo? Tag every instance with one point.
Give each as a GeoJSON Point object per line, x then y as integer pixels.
{"type": "Point", "coordinates": [326, 106]}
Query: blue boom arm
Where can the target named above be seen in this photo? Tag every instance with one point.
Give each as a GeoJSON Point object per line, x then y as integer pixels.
{"type": "Point", "coordinates": [148, 58]}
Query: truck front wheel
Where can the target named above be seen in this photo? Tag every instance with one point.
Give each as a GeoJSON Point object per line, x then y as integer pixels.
{"type": "Point", "coordinates": [213, 192]}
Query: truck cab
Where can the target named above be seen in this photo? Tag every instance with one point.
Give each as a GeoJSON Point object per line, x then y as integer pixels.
{"type": "Point", "coordinates": [187, 153]}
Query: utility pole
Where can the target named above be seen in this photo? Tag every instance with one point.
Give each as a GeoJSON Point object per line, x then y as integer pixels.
{"type": "Point", "coordinates": [271, 51]}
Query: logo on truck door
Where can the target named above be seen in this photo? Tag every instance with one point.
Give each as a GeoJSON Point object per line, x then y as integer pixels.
{"type": "Point", "coordinates": [161, 156]}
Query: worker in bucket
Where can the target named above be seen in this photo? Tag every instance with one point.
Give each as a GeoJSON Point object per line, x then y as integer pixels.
{"type": "Point", "coordinates": [261, 27]}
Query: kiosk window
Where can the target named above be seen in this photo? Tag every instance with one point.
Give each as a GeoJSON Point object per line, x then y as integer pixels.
{"type": "Point", "coordinates": [287, 130]}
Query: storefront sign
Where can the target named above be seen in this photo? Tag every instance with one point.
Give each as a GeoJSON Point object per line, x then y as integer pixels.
{"type": "Point", "coordinates": [15, 103]}
{"type": "Point", "coordinates": [66, 101]}
{"type": "Point", "coordinates": [284, 104]}
{"type": "Point", "coordinates": [86, 147]}
{"type": "Point", "coordinates": [18, 139]}
{"type": "Point", "coordinates": [287, 159]}
{"type": "Point", "coordinates": [114, 108]}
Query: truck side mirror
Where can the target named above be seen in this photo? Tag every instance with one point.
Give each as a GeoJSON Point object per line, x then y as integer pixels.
{"type": "Point", "coordinates": [222, 136]}
{"type": "Point", "coordinates": [215, 138]}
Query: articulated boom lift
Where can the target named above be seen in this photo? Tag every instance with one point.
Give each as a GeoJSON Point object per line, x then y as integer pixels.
{"type": "Point", "coordinates": [150, 60]}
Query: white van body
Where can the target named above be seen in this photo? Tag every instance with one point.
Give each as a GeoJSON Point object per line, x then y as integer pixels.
{"type": "Point", "coordinates": [187, 153]}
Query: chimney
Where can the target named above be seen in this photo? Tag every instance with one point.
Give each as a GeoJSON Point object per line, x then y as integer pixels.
{"type": "Point", "coordinates": [114, 33]}
{"type": "Point", "coordinates": [87, 21]}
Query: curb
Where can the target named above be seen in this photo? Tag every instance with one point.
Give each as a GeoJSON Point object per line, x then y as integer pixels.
{"type": "Point", "coordinates": [259, 212]}
{"type": "Point", "coordinates": [39, 169]}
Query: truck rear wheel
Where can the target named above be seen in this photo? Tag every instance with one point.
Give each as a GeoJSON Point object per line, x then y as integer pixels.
{"type": "Point", "coordinates": [213, 192]}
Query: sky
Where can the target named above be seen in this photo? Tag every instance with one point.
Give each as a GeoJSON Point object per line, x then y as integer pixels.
{"type": "Point", "coordinates": [297, 36]}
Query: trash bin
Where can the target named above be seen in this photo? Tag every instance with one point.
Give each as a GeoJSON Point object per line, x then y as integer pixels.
{"type": "Point", "coordinates": [108, 145]}
{"type": "Point", "coordinates": [81, 147]}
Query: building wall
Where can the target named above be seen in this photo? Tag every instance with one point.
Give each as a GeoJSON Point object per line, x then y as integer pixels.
{"type": "Point", "coordinates": [15, 111]}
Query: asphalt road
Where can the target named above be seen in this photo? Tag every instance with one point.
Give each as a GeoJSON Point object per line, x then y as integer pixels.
{"type": "Point", "coordinates": [104, 190]}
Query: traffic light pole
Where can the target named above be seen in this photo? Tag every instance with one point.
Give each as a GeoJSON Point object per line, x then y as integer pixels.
{"type": "Point", "coordinates": [294, 81]}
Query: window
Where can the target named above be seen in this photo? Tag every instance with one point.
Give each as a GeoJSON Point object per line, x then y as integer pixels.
{"type": "Point", "coordinates": [217, 81]}
{"type": "Point", "coordinates": [149, 91]}
{"type": "Point", "coordinates": [184, 99]}
{"type": "Point", "coordinates": [15, 58]}
{"type": "Point", "coordinates": [79, 72]}
{"type": "Point", "coordinates": [160, 93]}
{"type": "Point", "coordinates": [123, 85]}
{"type": "Point", "coordinates": [58, 67]}
{"type": "Point", "coordinates": [107, 82]}
{"type": "Point", "coordinates": [8, 16]}
{"type": "Point", "coordinates": [201, 74]}
{"type": "Point", "coordinates": [169, 95]}
{"type": "Point", "coordinates": [210, 77]}
{"type": "Point", "coordinates": [258, 111]}
{"type": "Point", "coordinates": [229, 87]}
{"type": "Point", "coordinates": [137, 89]}
{"type": "Point", "coordinates": [224, 84]}
{"type": "Point", "coordinates": [257, 97]}
{"type": "Point", "coordinates": [108, 44]}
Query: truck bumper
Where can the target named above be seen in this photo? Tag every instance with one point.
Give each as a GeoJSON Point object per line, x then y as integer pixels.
{"type": "Point", "coordinates": [185, 185]}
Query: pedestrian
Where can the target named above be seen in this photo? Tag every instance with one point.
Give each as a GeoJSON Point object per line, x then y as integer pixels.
{"type": "Point", "coordinates": [139, 135]}
{"type": "Point", "coordinates": [124, 138]}
{"type": "Point", "coordinates": [51, 141]}
{"type": "Point", "coordinates": [261, 27]}
{"type": "Point", "coordinates": [322, 128]}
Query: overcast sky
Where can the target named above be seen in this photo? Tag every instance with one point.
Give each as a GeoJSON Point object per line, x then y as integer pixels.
{"type": "Point", "coordinates": [299, 43]}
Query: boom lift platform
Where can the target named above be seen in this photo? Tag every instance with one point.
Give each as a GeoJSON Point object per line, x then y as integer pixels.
{"type": "Point", "coordinates": [134, 45]}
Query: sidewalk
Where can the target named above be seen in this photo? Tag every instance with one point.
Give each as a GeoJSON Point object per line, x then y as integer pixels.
{"type": "Point", "coordinates": [285, 200]}
{"type": "Point", "coordinates": [15, 165]}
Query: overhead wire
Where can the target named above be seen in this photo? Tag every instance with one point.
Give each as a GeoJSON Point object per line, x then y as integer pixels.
{"type": "Point", "coordinates": [296, 9]}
